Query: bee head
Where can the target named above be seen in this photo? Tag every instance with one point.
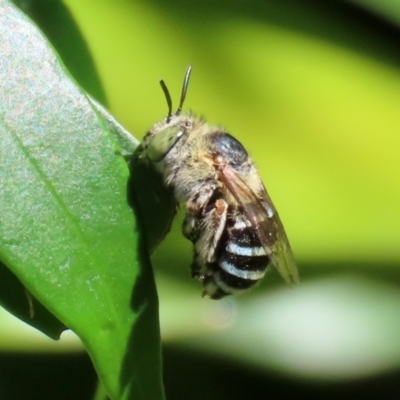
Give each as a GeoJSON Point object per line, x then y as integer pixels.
{"type": "Point", "coordinates": [164, 136]}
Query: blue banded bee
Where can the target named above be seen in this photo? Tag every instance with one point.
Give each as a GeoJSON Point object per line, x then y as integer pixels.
{"type": "Point", "coordinates": [230, 218]}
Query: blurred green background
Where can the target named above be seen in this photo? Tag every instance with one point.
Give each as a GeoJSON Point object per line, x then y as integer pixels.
{"type": "Point", "coordinates": [312, 90]}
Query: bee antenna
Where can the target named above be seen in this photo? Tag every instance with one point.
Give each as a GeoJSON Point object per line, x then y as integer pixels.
{"type": "Point", "coordinates": [184, 89]}
{"type": "Point", "coordinates": [168, 98]}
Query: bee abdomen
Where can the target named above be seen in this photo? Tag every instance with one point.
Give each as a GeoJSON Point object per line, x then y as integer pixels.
{"type": "Point", "coordinates": [244, 267]}
{"type": "Point", "coordinates": [242, 260]}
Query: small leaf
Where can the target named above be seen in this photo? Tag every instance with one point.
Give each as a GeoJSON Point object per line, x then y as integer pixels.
{"type": "Point", "coordinates": [66, 229]}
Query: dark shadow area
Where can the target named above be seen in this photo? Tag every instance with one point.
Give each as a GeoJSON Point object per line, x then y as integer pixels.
{"type": "Point", "coordinates": [307, 17]}
{"type": "Point", "coordinates": [191, 375]}
{"type": "Point", "coordinates": [14, 299]}
{"type": "Point", "coordinates": [155, 204]}
{"type": "Point", "coordinates": [141, 368]}
{"type": "Point", "coordinates": [39, 376]}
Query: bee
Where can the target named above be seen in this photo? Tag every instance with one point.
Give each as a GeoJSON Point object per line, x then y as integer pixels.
{"type": "Point", "coordinates": [229, 217]}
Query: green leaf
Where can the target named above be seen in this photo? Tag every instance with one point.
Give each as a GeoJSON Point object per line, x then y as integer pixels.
{"type": "Point", "coordinates": [126, 142]}
{"type": "Point", "coordinates": [146, 188]}
{"type": "Point", "coordinates": [66, 229]}
{"type": "Point", "coordinates": [56, 22]}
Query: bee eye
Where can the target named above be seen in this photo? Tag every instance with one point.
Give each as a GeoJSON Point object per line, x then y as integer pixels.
{"type": "Point", "coordinates": [225, 145]}
{"type": "Point", "coordinates": [162, 142]}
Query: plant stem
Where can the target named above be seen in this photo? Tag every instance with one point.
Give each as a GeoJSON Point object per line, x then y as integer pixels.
{"type": "Point", "coordinates": [101, 393]}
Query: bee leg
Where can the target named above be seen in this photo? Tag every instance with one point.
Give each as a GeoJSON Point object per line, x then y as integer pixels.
{"type": "Point", "coordinates": [221, 209]}
{"type": "Point", "coordinates": [190, 227]}
{"type": "Point", "coordinates": [211, 288]}
{"type": "Point", "coordinates": [205, 232]}
{"type": "Point", "coordinates": [214, 223]}
{"type": "Point", "coordinates": [209, 230]}
{"type": "Point", "coordinates": [195, 268]}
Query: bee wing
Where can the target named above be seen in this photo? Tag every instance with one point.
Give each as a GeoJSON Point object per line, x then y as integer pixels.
{"type": "Point", "coordinates": [265, 220]}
